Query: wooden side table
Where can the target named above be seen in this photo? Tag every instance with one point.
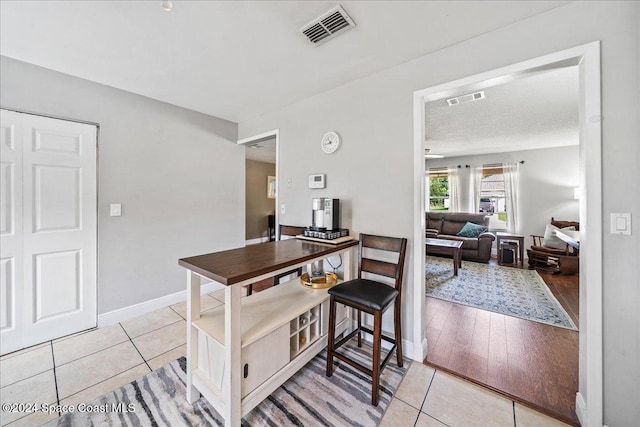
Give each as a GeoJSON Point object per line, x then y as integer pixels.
{"type": "Point", "coordinates": [519, 238]}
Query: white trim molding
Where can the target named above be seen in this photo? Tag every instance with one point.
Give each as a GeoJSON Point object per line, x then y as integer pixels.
{"type": "Point", "coordinates": [126, 313]}
{"type": "Point", "coordinates": [264, 137]}
{"type": "Point", "coordinates": [581, 409]}
{"type": "Point", "coordinates": [256, 241]}
{"type": "Point", "coordinates": [587, 58]}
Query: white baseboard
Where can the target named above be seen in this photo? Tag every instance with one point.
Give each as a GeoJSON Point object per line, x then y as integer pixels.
{"type": "Point", "coordinates": [126, 313]}
{"type": "Point", "coordinates": [256, 241]}
{"type": "Point", "coordinates": [425, 350]}
{"type": "Point", "coordinates": [581, 409]}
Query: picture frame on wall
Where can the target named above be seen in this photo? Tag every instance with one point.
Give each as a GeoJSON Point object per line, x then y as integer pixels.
{"type": "Point", "coordinates": [271, 187]}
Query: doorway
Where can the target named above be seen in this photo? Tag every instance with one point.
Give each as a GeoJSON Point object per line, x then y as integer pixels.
{"type": "Point", "coordinates": [587, 58]}
{"type": "Point", "coordinates": [261, 185]}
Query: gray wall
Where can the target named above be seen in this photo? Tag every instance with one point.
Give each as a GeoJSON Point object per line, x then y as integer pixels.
{"type": "Point", "coordinates": [178, 174]}
{"type": "Point", "coordinates": [547, 179]}
{"type": "Point", "coordinates": [372, 170]}
{"type": "Point", "coordinates": [258, 206]}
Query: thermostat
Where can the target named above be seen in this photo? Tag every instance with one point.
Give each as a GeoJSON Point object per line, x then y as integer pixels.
{"type": "Point", "coordinates": [317, 181]}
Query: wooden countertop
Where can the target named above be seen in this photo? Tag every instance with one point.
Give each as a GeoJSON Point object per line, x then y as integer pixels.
{"type": "Point", "coordinates": [235, 265]}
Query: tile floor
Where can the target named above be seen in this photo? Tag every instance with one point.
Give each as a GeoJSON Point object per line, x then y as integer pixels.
{"type": "Point", "coordinates": [82, 367]}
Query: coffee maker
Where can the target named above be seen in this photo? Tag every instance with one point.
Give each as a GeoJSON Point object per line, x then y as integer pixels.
{"type": "Point", "coordinates": [325, 214]}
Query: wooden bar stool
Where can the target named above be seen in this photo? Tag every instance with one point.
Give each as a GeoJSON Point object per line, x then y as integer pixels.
{"type": "Point", "coordinates": [285, 230]}
{"type": "Point", "coordinates": [372, 297]}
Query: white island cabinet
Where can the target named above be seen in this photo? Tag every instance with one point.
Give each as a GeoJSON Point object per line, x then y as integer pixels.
{"type": "Point", "coordinates": [242, 351]}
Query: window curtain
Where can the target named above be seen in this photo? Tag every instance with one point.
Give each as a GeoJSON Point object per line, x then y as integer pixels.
{"type": "Point", "coordinates": [511, 177]}
{"type": "Point", "coordinates": [454, 190]}
{"type": "Point", "coordinates": [475, 178]}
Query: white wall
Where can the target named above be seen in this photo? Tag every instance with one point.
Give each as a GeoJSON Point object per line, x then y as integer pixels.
{"type": "Point", "coordinates": [372, 171]}
{"type": "Point", "coordinates": [178, 174]}
{"type": "Point", "coordinates": [547, 179]}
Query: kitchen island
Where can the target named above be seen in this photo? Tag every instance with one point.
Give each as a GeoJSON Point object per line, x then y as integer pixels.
{"type": "Point", "coordinates": [239, 353]}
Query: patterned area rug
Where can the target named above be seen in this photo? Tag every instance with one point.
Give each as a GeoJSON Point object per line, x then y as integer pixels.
{"type": "Point", "coordinates": [308, 398]}
{"type": "Point", "coordinates": [505, 290]}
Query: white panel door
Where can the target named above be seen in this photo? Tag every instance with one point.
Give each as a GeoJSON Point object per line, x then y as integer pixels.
{"type": "Point", "coordinates": [11, 255]}
{"type": "Point", "coordinates": [56, 293]}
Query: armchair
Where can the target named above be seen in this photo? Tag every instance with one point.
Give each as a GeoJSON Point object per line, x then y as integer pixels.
{"type": "Point", "coordinates": [552, 254]}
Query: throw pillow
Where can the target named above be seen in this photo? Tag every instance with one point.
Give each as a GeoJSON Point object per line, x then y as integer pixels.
{"type": "Point", "coordinates": [471, 230]}
{"type": "Point", "coordinates": [550, 240]}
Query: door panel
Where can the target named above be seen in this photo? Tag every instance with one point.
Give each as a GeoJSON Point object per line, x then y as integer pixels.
{"type": "Point", "coordinates": [11, 254]}
{"type": "Point", "coordinates": [46, 140]}
{"type": "Point", "coordinates": [56, 198]}
{"type": "Point", "coordinates": [7, 293]}
{"type": "Point", "coordinates": [57, 285]}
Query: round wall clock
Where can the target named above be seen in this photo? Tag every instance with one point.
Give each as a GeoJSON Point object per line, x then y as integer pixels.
{"type": "Point", "coordinates": [330, 142]}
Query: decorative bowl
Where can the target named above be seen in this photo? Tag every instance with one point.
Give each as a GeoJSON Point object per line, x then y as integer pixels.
{"type": "Point", "coordinates": [319, 282]}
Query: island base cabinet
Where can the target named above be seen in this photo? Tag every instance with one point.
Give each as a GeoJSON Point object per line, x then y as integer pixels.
{"type": "Point", "coordinates": [260, 359]}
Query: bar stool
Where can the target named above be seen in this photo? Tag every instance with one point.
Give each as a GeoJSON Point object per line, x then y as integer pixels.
{"type": "Point", "coordinates": [372, 297]}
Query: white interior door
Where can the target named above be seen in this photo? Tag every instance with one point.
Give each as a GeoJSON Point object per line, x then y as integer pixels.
{"type": "Point", "coordinates": [59, 229]}
{"type": "Point", "coordinates": [11, 257]}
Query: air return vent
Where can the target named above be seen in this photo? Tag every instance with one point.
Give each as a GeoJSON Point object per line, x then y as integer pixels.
{"type": "Point", "coordinates": [465, 98]}
{"type": "Point", "coordinates": [327, 26]}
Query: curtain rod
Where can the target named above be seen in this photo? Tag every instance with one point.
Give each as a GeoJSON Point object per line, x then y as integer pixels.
{"type": "Point", "coordinates": [492, 165]}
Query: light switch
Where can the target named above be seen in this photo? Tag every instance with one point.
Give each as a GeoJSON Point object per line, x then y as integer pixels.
{"type": "Point", "coordinates": [115, 209]}
{"type": "Point", "coordinates": [620, 223]}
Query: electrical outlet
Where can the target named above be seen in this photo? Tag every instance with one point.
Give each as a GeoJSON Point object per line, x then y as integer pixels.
{"type": "Point", "coordinates": [289, 182]}
{"type": "Point", "coordinates": [283, 209]}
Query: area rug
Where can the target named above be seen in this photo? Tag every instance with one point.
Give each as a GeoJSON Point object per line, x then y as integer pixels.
{"type": "Point", "coordinates": [511, 291]}
{"type": "Point", "coordinates": [308, 398]}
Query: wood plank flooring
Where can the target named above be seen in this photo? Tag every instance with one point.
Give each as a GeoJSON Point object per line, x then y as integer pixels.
{"type": "Point", "coordinates": [530, 362]}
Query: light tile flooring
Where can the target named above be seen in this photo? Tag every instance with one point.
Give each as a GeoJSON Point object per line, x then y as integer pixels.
{"type": "Point", "coordinates": [82, 367]}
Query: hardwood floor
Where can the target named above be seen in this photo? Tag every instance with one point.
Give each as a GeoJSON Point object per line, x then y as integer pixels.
{"type": "Point", "coordinates": [533, 363]}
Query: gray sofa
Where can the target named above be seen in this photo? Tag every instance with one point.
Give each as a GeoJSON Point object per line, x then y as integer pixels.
{"type": "Point", "coordinates": [445, 225]}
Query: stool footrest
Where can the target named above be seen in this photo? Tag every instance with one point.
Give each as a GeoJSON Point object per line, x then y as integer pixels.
{"type": "Point", "coordinates": [370, 332]}
{"type": "Point", "coordinates": [356, 364]}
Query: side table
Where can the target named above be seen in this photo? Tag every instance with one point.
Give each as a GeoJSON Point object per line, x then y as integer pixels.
{"type": "Point", "coordinates": [518, 238]}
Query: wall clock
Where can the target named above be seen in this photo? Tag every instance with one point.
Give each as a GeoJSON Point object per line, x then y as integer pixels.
{"type": "Point", "coordinates": [330, 142]}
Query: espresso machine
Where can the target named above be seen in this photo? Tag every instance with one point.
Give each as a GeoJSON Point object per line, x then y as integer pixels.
{"type": "Point", "coordinates": [325, 214]}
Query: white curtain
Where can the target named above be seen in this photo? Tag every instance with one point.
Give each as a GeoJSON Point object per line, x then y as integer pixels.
{"type": "Point", "coordinates": [475, 180]}
{"type": "Point", "coordinates": [454, 190]}
{"type": "Point", "coordinates": [510, 172]}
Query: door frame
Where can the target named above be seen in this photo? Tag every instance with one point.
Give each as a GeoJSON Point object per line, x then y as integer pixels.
{"type": "Point", "coordinates": [587, 58]}
{"type": "Point", "coordinates": [264, 137]}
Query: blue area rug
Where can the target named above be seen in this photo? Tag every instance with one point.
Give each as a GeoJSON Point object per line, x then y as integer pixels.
{"type": "Point", "coordinates": [511, 291]}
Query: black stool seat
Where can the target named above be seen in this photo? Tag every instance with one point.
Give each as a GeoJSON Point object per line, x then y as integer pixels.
{"type": "Point", "coordinates": [368, 293]}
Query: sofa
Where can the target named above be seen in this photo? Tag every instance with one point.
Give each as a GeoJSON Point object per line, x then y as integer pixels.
{"type": "Point", "coordinates": [446, 225]}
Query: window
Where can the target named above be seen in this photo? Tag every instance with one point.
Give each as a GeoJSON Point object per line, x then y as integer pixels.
{"type": "Point", "coordinates": [493, 197]}
{"type": "Point", "coordinates": [438, 196]}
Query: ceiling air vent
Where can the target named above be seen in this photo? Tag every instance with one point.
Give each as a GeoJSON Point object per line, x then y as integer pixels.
{"type": "Point", "coordinates": [327, 26]}
{"type": "Point", "coordinates": [465, 98]}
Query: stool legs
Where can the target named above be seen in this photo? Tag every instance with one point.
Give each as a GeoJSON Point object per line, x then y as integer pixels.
{"type": "Point", "coordinates": [377, 345]}
{"type": "Point", "coordinates": [359, 326]}
{"type": "Point", "coordinates": [331, 335]}
{"type": "Point", "coordinates": [377, 339]}
{"type": "Point", "coordinates": [397, 331]}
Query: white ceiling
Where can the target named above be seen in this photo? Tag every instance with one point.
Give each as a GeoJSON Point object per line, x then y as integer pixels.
{"type": "Point", "coordinates": [237, 59]}
{"type": "Point", "coordinates": [537, 110]}
{"type": "Point", "coordinates": [263, 151]}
